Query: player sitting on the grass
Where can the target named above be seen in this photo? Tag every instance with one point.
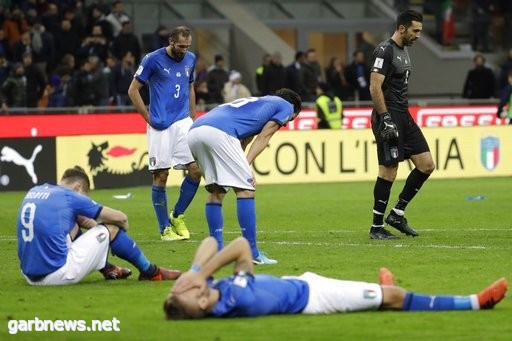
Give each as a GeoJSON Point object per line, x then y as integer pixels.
{"type": "Point", "coordinates": [196, 295]}
{"type": "Point", "coordinates": [110, 271]}
{"type": "Point", "coordinates": [47, 216]}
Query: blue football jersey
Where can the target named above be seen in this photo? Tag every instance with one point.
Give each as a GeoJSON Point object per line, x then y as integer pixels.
{"type": "Point", "coordinates": [169, 86]}
{"type": "Point", "coordinates": [46, 216]}
{"type": "Point", "coordinates": [246, 295]}
{"type": "Point", "coordinates": [246, 117]}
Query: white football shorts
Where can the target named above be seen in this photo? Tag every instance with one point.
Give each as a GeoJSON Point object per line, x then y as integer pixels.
{"type": "Point", "coordinates": [220, 157]}
{"type": "Point", "coordinates": [87, 253]}
{"type": "Point", "coordinates": [328, 295]}
{"type": "Point", "coordinates": [168, 148]}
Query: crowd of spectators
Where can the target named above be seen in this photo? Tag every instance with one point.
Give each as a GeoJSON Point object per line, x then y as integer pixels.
{"type": "Point", "coordinates": [63, 53]}
{"type": "Point", "coordinates": [304, 74]}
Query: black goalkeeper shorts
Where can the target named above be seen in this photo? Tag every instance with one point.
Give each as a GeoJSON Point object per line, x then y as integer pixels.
{"type": "Point", "coordinates": [410, 139]}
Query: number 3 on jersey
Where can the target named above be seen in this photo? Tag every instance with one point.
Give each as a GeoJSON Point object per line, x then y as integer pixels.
{"type": "Point", "coordinates": [28, 212]}
{"type": "Point", "coordinates": [177, 92]}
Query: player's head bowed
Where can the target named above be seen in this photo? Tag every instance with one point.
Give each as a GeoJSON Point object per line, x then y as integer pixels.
{"type": "Point", "coordinates": [292, 97]}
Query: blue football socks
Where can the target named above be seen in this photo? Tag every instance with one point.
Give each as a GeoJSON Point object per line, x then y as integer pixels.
{"type": "Point", "coordinates": [159, 197]}
{"type": "Point", "coordinates": [215, 221]}
{"type": "Point", "coordinates": [246, 212]}
{"type": "Point", "coordinates": [125, 248]}
{"type": "Point", "coordinates": [418, 302]}
{"type": "Point", "coordinates": [187, 192]}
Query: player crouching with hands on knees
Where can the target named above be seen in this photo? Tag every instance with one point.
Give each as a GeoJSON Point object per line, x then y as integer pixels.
{"type": "Point", "coordinates": [244, 294]}
{"type": "Point", "coordinates": [50, 213]}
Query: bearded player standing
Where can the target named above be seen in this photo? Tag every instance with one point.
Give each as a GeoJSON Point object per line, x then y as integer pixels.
{"type": "Point", "coordinates": [397, 136]}
{"type": "Point", "coordinates": [169, 71]}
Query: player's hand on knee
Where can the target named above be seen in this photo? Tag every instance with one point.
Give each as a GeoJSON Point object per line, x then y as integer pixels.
{"type": "Point", "coordinates": [387, 128]}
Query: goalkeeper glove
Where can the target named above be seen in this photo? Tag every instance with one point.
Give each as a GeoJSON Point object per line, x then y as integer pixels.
{"type": "Point", "coordinates": [387, 128]}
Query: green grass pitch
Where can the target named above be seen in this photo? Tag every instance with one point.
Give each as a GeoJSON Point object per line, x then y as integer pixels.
{"type": "Point", "coordinates": [463, 246]}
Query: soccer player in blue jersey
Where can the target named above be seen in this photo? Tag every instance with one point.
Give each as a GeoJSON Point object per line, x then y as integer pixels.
{"type": "Point", "coordinates": [48, 220]}
{"type": "Point", "coordinates": [169, 72]}
{"type": "Point", "coordinates": [218, 140]}
{"type": "Point", "coordinates": [244, 294]}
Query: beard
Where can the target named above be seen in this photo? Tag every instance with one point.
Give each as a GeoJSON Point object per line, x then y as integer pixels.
{"type": "Point", "coordinates": [178, 55]}
{"type": "Point", "coordinates": [409, 41]}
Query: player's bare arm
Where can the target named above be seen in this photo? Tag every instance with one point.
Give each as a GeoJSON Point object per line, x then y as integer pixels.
{"type": "Point", "coordinates": [376, 81]}
{"type": "Point", "coordinates": [86, 222]}
{"type": "Point", "coordinates": [261, 142]}
{"type": "Point", "coordinates": [194, 278]}
{"type": "Point", "coordinates": [192, 99]}
{"type": "Point", "coordinates": [138, 103]}
{"type": "Point", "coordinates": [207, 261]}
{"type": "Point", "coordinates": [237, 251]}
{"type": "Point", "coordinates": [112, 216]}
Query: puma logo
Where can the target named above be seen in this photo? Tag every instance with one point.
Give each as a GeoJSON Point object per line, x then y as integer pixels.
{"type": "Point", "coordinates": [399, 58]}
{"type": "Point", "coordinates": [167, 70]}
{"type": "Point", "coordinates": [11, 155]}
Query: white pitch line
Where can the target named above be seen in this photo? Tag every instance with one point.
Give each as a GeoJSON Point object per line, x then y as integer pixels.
{"type": "Point", "coordinates": [357, 231]}
{"type": "Point", "coordinates": [477, 247]}
{"type": "Point", "coordinates": [384, 244]}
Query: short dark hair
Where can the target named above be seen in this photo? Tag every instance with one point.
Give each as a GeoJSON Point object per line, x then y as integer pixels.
{"type": "Point", "coordinates": [77, 173]}
{"type": "Point", "coordinates": [173, 310]}
{"type": "Point", "coordinates": [292, 97]}
{"type": "Point", "coordinates": [178, 31]}
{"type": "Point", "coordinates": [479, 56]}
{"type": "Point", "coordinates": [406, 18]}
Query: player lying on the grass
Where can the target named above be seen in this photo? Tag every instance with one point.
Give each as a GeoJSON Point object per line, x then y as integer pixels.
{"type": "Point", "coordinates": [49, 214]}
{"type": "Point", "coordinates": [196, 295]}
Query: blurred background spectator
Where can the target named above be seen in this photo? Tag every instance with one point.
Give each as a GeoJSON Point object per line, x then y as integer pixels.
{"type": "Point", "coordinates": [293, 74]}
{"type": "Point", "coordinates": [43, 46]}
{"type": "Point", "coordinates": [266, 59]}
{"type": "Point", "coordinates": [216, 78]}
{"type": "Point", "coordinates": [480, 81]}
{"type": "Point", "coordinates": [96, 44]}
{"type": "Point", "coordinates": [14, 26]}
{"type": "Point", "coordinates": [481, 14]}
{"type": "Point", "coordinates": [336, 81]}
{"type": "Point", "coordinates": [203, 97]}
{"type": "Point", "coordinates": [126, 41]}
{"type": "Point", "coordinates": [160, 37]}
{"type": "Point", "coordinates": [234, 89]}
{"type": "Point", "coordinates": [274, 75]}
{"type": "Point", "coordinates": [122, 75]}
{"type": "Point", "coordinates": [309, 76]}
{"type": "Point", "coordinates": [67, 40]}
{"type": "Point", "coordinates": [36, 81]}
{"type": "Point", "coordinates": [117, 17]}
{"type": "Point", "coordinates": [14, 89]}
{"type": "Point", "coordinates": [357, 75]}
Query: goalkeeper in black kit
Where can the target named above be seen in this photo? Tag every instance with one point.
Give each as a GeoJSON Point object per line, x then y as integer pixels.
{"type": "Point", "coordinates": [397, 136]}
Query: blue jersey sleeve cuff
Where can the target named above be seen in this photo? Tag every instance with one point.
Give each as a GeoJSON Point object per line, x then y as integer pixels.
{"type": "Point", "coordinates": [140, 80]}
{"type": "Point", "coordinates": [98, 212]}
